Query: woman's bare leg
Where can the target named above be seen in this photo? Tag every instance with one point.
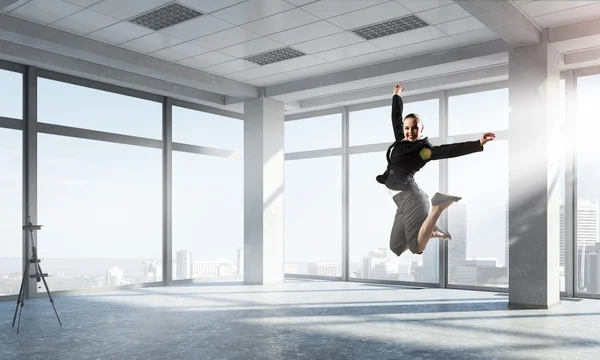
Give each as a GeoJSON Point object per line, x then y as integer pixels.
{"type": "Point", "coordinates": [429, 224]}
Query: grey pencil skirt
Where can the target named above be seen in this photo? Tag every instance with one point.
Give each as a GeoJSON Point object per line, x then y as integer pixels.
{"type": "Point", "coordinates": [412, 210]}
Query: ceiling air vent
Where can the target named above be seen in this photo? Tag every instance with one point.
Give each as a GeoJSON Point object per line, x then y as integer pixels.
{"type": "Point", "coordinates": [390, 27]}
{"type": "Point", "coordinates": [274, 56]}
{"type": "Point", "coordinates": [165, 16]}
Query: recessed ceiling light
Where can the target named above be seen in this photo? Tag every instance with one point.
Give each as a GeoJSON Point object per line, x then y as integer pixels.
{"type": "Point", "coordinates": [273, 56]}
{"type": "Point", "coordinates": [390, 27]}
{"type": "Point", "coordinates": [165, 16]}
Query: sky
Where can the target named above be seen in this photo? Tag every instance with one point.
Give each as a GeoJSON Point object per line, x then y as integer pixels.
{"type": "Point", "coordinates": [100, 199]}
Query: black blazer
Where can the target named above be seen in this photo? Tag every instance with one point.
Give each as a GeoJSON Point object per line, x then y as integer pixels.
{"type": "Point", "coordinates": [405, 158]}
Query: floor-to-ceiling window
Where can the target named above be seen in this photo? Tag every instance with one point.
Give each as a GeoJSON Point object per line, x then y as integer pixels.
{"type": "Point", "coordinates": [11, 267]}
{"type": "Point", "coordinates": [313, 196]}
{"type": "Point", "coordinates": [371, 207]}
{"type": "Point", "coordinates": [208, 195]}
{"type": "Point", "coordinates": [478, 251]}
{"type": "Point", "coordinates": [587, 219]}
{"type": "Point", "coordinates": [99, 190]}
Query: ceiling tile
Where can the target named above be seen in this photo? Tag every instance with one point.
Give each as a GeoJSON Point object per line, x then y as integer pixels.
{"type": "Point", "coordinates": [45, 11]}
{"type": "Point", "coordinates": [208, 6]}
{"type": "Point", "coordinates": [371, 15]}
{"type": "Point", "coordinates": [421, 5]}
{"type": "Point", "coordinates": [116, 9]}
{"type": "Point", "coordinates": [84, 22]}
{"type": "Point", "coordinates": [13, 6]}
{"type": "Point", "coordinates": [230, 67]}
{"type": "Point", "coordinates": [475, 36]}
{"type": "Point", "coordinates": [295, 63]}
{"type": "Point", "coordinates": [443, 14]}
{"type": "Point", "coordinates": [348, 51]}
{"type": "Point", "coordinates": [84, 3]}
{"type": "Point", "coordinates": [251, 47]}
{"type": "Point", "coordinates": [254, 73]}
{"type": "Point", "coordinates": [180, 51]}
{"type": "Point", "coordinates": [328, 42]}
{"type": "Point", "coordinates": [120, 33]}
{"type": "Point", "coordinates": [280, 22]}
{"type": "Point", "coordinates": [537, 8]}
{"type": "Point", "coordinates": [226, 38]}
{"type": "Point", "coordinates": [272, 80]}
{"type": "Point", "coordinates": [151, 43]}
{"type": "Point", "coordinates": [408, 37]}
{"type": "Point", "coordinates": [299, 2]}
{"type": "Point", "coordinates": [570, 16]}
{"type": "Point", "coordinates": [305, 33]}
{"type": "Point", "coordinates": [460, 25]}
{"type": "Point", "coordinates": [425, 47]}
{"type": "Point", "coordinates": [315, 70]}
{"type": "Point", "coordinates": [252, 10]}
{"type": "Point", "coordinates": [331, 8]}
{"type": "Point", "coordinates": [205, 60]}
{"type": "Point", "coordinates": [364, 60]}
{"type": "Point", "coordinates": [195, 28]}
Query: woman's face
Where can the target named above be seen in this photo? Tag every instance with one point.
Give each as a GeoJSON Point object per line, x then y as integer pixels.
{"type": "Point", "coordinates": [412, 129]}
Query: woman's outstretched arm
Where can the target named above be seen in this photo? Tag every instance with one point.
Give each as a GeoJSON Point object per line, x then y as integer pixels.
{"type": "Point", "coordinates": [397, 108]}
{"type": "Point", "coordinates": [447, 151]}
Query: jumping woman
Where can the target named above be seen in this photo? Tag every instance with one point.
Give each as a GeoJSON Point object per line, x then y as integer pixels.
{"type": "Point", "coordinates": [414, 224]}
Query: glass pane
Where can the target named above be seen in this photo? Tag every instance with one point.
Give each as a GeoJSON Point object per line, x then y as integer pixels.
{"type": "Point", "coordinates": [561, 183]}
{"type": "Point", "coordinates": [11, 93]}
{"type": "Point", "coordinates": [205, 129]}
{"type": "Point", "coordinates": [588, 177]}
{"type": "Point", "coordinates": [208, 216]}
{"type": "Point", "coordinates": [372, 212]}
{"type": "Point", "coordinates": [313, 216]}
{"type": "Point", "coordinates": [77, 106]}
{"type": "Point", "coordinates": [479, 222]}
{"type": "Point", "coordinates": [11, 199]}
{"type": "Point", "coordinates": [374, 126]}
{"type": "Point", "coordinates": [323, 132]}
{"type": "Point", "coordinates": [478, 112]}
{"type": "Point", "coordinates": [101, 207]}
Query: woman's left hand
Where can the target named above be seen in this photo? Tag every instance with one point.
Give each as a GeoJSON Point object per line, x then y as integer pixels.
{"type": "Point", "coordinates": [488, 136]}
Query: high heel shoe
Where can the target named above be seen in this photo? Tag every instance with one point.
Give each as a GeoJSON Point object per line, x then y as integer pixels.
{"type": "Point", "coordinates": [439, 198]}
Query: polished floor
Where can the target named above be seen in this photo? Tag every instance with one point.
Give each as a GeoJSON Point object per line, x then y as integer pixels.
{"type": "Point", "coordinates": [298, 320]}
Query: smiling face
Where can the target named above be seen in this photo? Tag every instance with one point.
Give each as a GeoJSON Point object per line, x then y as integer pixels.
{"type": "Point", "coordinates": [413, 127]}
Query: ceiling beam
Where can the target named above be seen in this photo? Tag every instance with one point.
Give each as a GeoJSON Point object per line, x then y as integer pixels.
{"type": "Point", "coordinates": [33, 35]}
{"type": "Point", "coordinates": [581, 59]}
{"type": "Point", "coordinates": [76, 67]}
{"type": "Point", "coordinates": [503, 18]}
{"type": "Point", "coordinates": [573, 37]}
{"type": "Point", "coordinates": [413, 87]}
{"type": "Point", "coordinates": [457, 59]}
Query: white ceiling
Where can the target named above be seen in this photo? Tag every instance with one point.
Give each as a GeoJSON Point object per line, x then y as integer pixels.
{"type": "Point", "coordinates": [553, 13]}
{"type": "Point", "coordinates": [229, 30]}
{"type": "Point", "coordinates": [233, 29]}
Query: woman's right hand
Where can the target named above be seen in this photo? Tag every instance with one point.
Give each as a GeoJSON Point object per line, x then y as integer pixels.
{"type": "Point", "coordinates": [398, 89]}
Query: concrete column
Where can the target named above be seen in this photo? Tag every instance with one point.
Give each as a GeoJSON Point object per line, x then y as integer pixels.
{"type": "Point", "coordinates": [533, 177]}
{"type": "Point", "coordinates": [263, 191]}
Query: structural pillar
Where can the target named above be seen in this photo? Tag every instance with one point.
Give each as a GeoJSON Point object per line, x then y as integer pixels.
{"type": "Point", "coordinates": [534, 225]}
{"type": "Point", "coordinates": [263, 191]}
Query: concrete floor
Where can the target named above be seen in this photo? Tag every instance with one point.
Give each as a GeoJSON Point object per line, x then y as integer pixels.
{"type": "Point", "coordinates": [298, 320]}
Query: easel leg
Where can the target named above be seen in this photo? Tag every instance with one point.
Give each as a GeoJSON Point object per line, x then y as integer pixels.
{"type": "Point", "coordinates": [21, 297]}
{"type": "Point", "coordinates": [48, 292]}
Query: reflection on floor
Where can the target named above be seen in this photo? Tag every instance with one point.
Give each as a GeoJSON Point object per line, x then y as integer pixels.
{"type": "Point", "coordinates": [298, 320]}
